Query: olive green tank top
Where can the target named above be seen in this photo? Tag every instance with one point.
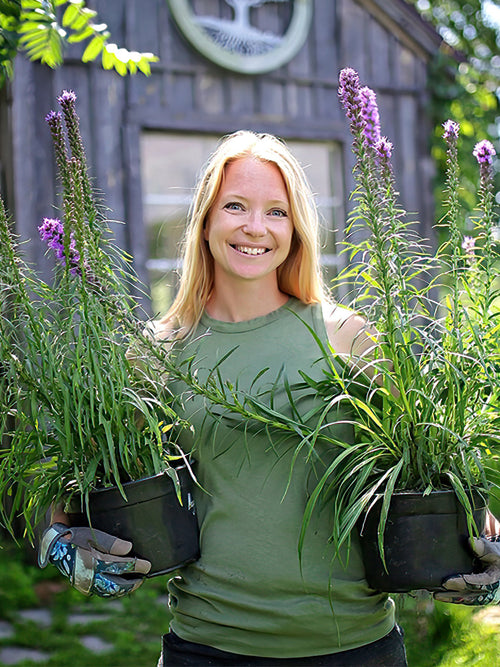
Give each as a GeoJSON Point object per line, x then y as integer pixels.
{"type": "Point", "coordinates": [250, 593]}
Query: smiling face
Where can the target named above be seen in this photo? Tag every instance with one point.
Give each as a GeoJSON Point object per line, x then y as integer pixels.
{"type": "Point", "coordinates": [249, 230]}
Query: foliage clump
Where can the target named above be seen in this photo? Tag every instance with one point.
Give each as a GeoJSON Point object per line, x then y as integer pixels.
{"type": "Point", "coordinates": [77, 411]}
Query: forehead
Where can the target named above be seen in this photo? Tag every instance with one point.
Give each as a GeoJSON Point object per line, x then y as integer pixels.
{"type": "Point", "coordinates": [247, 172]}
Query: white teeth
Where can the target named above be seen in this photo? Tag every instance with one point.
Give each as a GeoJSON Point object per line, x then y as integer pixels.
{"type": "Point", "coordinates": [250, 251]}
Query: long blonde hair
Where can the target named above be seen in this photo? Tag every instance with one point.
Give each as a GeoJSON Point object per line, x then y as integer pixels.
{"type": "Point", "coordinates": [300, 273]}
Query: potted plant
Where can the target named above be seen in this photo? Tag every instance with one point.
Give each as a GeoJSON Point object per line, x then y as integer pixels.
{"type": "Point", "coordinates": [425, 398]}
{"type": "Point", "coordinates": [82, 423]}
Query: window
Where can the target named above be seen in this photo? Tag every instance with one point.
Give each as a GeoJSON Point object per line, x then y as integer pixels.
{"type": "Point", "coordinates": [170, 167]}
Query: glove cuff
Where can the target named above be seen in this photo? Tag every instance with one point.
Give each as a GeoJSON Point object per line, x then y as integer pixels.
{"type": "Point", "coordinates": [49, 537]}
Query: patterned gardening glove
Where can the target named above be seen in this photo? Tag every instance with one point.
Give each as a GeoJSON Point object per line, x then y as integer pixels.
{"type": "Point", "coordinates": [93, 561]}
{"type": "Point", "coordinates": [476, 589]}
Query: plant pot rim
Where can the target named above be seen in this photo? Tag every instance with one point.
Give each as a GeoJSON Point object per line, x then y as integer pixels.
{"type": "Point", "coordinates": [133, 489]}
{"type": "Point", "coordinates": [134, 482]}
{"type": "Point", "coordinates": [405, 501]}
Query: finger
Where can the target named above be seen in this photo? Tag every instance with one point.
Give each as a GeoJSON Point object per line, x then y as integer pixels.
{"type": "Point", "coordinates": [479, 597]}
{"type": "Point", "coordinates": [88, 563]}
{"type": "Point", "coordinates": [457, 597]}
{"type": "Point", "coordinates": [491, 576]}
{"type": "Point", "coordinates": [115, 586]}
{"type": "Point", "coordinates": [104, 542]}
{"type": "Point", "coordinates": [472, 582]}
{"type": "Point", "coordinates": [119, 564]}
{"type": "Point", "coordinates": [457, 583]}
{"type": "Point", "coordinates": [487, 550]}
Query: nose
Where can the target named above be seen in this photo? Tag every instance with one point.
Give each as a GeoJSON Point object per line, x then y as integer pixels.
{"type": "Point", "coordinates": [255, 224]}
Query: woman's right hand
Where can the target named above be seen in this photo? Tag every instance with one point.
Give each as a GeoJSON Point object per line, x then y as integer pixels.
{"type": "Point", "coordinates": [93, 561]}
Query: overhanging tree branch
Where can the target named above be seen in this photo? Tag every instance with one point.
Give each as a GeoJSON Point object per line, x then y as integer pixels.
{"type": "Point", "coordinates": [43, 28]}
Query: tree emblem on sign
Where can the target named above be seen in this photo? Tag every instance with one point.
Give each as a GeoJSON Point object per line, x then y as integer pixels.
{"type": "Point", "coordinates": [238, 35]}
{"type": "Point", "coordinates": [236, 43]}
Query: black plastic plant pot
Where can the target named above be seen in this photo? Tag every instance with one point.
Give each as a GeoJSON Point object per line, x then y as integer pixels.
{"type": "Point", "coordinates": [426, 540]}
{"type": "Point", "coordinates": [161, 529]}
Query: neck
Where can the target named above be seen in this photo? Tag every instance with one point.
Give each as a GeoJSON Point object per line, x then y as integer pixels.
{"type": "Point", "coordinates": [242, 301]}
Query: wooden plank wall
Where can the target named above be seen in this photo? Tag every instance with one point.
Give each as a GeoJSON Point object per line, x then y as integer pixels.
{"type": "Point", "coordinates": [188, 93]}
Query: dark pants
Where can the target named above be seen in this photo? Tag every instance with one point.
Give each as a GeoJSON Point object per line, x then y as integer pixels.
{"type": "Point", "coordinates": [386, 652]}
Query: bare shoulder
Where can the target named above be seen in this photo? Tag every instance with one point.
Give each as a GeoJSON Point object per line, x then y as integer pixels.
{"type": "Point", "coordinates": [347, 331]}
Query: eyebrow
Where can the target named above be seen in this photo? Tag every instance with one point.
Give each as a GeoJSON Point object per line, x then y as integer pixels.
{"type": "Point", "coordinates": [273, 202]}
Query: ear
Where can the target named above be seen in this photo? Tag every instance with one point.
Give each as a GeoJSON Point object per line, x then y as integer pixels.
{"type": "Point", "coordinates": [206, 228]}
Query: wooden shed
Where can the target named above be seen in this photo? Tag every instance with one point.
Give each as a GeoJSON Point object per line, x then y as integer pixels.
{"type": "Point", "coordinates": [147, 137]}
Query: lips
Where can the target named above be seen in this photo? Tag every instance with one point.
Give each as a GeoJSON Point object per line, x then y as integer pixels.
{"type": "Point", "coordinates": [250, 250]}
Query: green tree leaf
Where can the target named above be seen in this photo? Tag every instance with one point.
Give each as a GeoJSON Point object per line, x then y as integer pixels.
{"type": "Point", "coordinates": [33, 26]}
{"type": "Point", "coordinates": [93, 49]}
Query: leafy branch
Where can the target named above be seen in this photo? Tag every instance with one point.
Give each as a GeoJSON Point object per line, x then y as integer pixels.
{"type": "Point", "coordinates": [43, 29]}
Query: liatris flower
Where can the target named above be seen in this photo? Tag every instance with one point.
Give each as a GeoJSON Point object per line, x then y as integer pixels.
{"type": "Point", "coordinates": [450, 135]}
{"type": "Point", "coordinates": [350, 98]}
{"type": "Point", "coordinates": [451, 130]}
{"type": "Point", "coordinates": [67, 102]}
{"type": "Point", "coordinates": [383, 152]}
{"type": "Point", "coordinates": [54, 121]}
{"type": "Point", "coordinates": [469, 247]}
{"type": "Point", "coordinates": [52, 232]}
{"type": "Point", "coordinates": [370, 116]}
{"type": "Point", "coordinates": [484, 152]}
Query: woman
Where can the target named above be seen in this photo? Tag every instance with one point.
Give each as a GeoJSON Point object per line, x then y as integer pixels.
{"type": "Point", "coordinates": [251, 279]}
{"type": "Point", "coordinates": [250, 304]}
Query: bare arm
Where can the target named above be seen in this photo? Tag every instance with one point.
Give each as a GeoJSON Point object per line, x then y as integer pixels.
{"type": "Point", "coordinates": [58, 515]}
{"type": "Point", "coordinates": [492, 525]}
{"type": "Point", "coordinates": [350, 338]}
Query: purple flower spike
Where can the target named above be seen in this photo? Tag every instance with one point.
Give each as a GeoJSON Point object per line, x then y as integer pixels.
{"type": "Point", "coordinates": [451, 130]}
{"type": "Point", "coordinates": [52, 117]}
{"type": "Point", "coordinates": [350, 99]}
{"type": "Point", "coordinates": [66, 97]}
{"type": "Point", "coordinates": [469, 244]}
{"type": "Point", "coordinates": [484, 152]}
{"type": "Point", "coordinates": [383, 148]}
{"type": "Point", "coordinates": [52, 232]}
{"type": "Point", "coordinates": [370, 115]}
{"type": "Point", "coordinates": [349, 91]}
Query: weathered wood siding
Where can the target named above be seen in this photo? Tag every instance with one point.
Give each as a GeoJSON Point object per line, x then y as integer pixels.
{"type": "Point", "coordinates": [188, 93]}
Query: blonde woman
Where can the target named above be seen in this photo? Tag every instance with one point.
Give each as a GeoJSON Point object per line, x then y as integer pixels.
{"type": "Point", "coordinates": [251, 282]}
{"type": "Point", "coordinates": [250, 278]}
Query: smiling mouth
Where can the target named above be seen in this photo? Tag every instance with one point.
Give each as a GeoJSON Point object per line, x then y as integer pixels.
{"type": "Point", "coordinates": [249, 250]}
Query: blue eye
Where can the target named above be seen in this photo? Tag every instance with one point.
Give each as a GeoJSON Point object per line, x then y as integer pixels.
{"type": "Point", "coordinates": [278, 213]}
{"type": "Point", "coordinates": [234, 206]}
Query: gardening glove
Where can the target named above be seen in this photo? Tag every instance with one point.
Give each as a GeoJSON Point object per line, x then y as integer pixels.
{"type": "Point", "coordinates": [476, 589]}
{"type": "Point", "coordinates": [93, 561]}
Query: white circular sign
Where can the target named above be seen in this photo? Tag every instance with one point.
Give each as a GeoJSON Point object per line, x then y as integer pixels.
{"type": "Point", "coordinates": [238, 45]}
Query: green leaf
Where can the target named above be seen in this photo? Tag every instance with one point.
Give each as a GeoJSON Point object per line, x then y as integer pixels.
{"type": "Point", "coordinates": [70, 14]}
{"type": "Point", "coordinates": [82, 20]}
{"type": "Point", "coordinates": [93, 49]}
{"type": "Point", "coordinates": [76, 37]}
{"type": "Point", "coordinates": [107, 59]}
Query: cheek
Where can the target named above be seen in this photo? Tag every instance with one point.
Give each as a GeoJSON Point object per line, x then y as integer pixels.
{"type": "Point", "coordinates": [289, 234]}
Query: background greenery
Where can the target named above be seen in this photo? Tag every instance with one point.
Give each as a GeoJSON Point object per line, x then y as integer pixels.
{"type": "Point", "coordinates": [437, 635]}
{"type": "Point", "coordinates": [464, 86]}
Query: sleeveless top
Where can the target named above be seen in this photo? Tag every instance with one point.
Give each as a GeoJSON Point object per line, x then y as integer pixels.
{"type": "Point", "coordinates": [250, 593]}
